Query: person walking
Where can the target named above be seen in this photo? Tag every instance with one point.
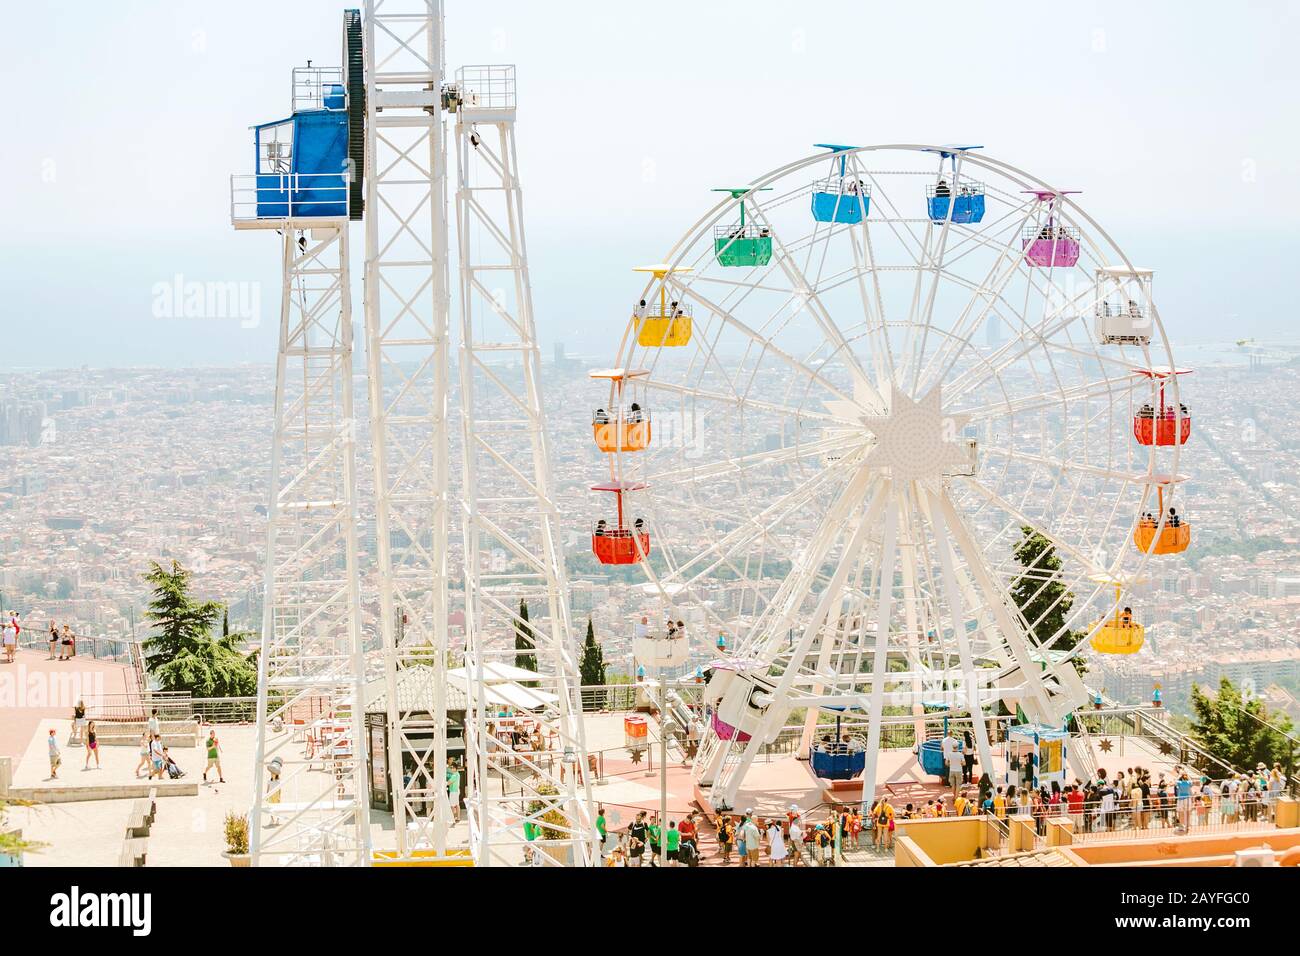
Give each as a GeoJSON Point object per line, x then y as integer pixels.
{"type": "Point", "coordinates": [11, 637]}
{"type": "Point", "coordinates": [92, 746]}
{"type": "Point", "coordinates": [602, 833]}
{"type": "Point", "coordinates": [144, 754]}
{"type": "Point", "coordinates": [213, 747]}
{"type": "Point", "coordinates": [56, 757]}
{"type": "Point", "coordinates": [157, 765]}
{"type": "Point", "coordinates": [726, 836]}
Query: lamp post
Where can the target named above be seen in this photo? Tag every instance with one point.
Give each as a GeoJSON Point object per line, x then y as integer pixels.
{"type": "Point", "coordinates": [663, 768]}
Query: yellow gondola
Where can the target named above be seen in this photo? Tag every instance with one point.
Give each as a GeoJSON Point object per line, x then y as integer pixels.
{"type": "Point", "coordinates": [662, 324]}
{"type": "Point", "coordinates": [1119, 633]}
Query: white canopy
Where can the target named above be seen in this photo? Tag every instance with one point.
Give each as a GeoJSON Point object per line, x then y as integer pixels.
{"type": "Point", "coordinates": [494, 673]}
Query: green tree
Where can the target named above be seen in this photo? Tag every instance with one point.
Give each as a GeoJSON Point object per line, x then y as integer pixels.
{"type": "Point", "coordinates": [525, 640]}
{"type": "Point", "coordinates": [1042, 597]}
{"type": "Point", "coordinates": [591, 668]}
{"type": "Point", "coordinates": [181, 653]}
{"type": "Point", "coordinates": [1237, 731]}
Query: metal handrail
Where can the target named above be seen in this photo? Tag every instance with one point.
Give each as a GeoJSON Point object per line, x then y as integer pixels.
{"type": "Point", "coordinates": [1053, 233]}
{"type": "Point", "coordinates": [962, 190]}
{"type": "Point", "coordinates": [842, 186]}
{"type": "Point", "coordinates": [248, 193]}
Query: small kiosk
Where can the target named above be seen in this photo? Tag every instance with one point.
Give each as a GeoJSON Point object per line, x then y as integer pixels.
{"type": "Point", "coordinates": [1036, 756]}
{"type": "Point", "coordinates": [414, 696]}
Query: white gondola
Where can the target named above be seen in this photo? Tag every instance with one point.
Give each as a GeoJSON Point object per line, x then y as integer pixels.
{"type": "Point", "coordinates": [1122, 315]}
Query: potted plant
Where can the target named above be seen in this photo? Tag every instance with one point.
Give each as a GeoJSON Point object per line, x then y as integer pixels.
{"type": "Point", "coordinates": [236, 839]}
{"type": "Point", "coordinates": [551, 826]}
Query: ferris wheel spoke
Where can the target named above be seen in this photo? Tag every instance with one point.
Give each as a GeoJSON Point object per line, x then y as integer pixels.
{"type": "Point", "coordinates": [1062, 464]}
{"type": "Point", "coordinates": [1062, 546]}
{"type": "Point", "coordinates": [764, 343]}
{"type": "Point", "coordinates": [1107, 388]}
{"type": "Point", "coordinates": [765, 635]}
{"type": "Point", "coordinates": [750, 463]}
{"type": "Point", "coordinates": [762, 524]}
{"type": "Point", "coordinates": [1020, 643]}
{"type": "Point", "coordinates": [1008, 266]}
{"type": "Point", "coordinates": [1027, 339]}
{"type": "Point", "coordinates": [739, 404]}
{"type": "Point", "coordinates": [806, 291]}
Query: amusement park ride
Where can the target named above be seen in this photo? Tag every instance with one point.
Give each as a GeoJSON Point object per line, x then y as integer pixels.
{"type": "Point", "coordinates": [367, 142]}
{"type": "Point", "coordinates": [844, 484]}
{"type": "Point", "coordinates": [867, 470]}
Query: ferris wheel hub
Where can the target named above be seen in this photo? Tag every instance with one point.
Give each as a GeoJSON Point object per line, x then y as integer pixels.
{"type": "Point", "coordinates": [916, 439]}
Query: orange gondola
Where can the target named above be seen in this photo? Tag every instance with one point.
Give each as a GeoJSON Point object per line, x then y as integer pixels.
{"type": "Point", "coordinates": [1159, 532]}
{"type": "Point", "coordinates": [622, 426]}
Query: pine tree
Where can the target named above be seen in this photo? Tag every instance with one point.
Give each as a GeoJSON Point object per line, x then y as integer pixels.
{"type": "Point", "coordinates": [1042, 597]}
{"type": "Point", "coordinates": [181, 653]}
{"type": "Point", "coordinates": [525, 640]}
{"type": "Point", "coordinates": [591, 669]}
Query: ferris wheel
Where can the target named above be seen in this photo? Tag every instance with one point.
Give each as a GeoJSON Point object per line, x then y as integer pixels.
{"type": "Point", "coordinates": [914, 415]}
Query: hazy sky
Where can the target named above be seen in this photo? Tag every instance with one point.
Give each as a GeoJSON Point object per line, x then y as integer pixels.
{"type": "Point", "coordinates": [1177, 119]}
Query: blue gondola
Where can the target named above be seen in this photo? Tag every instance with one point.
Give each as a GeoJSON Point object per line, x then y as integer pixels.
{"type": "Point", "coordinates": [837, 760]}
{"type": "Point", "coordinates": [835, 766]}
{"type": "Point", "coordinates": [842, 198]}
{"type": "Point", "coordinates": [966, 207]}
{"type": "Point", "coordinates": [932, 758]}
{"type": "Point", "coordinates": [931, 751]}
{"type": "Point", "coordinates": [965, 197]}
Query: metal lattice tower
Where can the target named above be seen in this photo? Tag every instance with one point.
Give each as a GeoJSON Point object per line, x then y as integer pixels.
{"type": "Point", "coordinates": [508, 500]}
{"type": "Point", "coordinates": [406, 307]}
{"type": "Point", "coordinates": [310, 663]}
{"type": "Point", "coordinates": [392, 93]}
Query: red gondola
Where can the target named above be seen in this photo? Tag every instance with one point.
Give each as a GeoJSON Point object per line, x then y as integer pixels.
{"type": "Point", "coordinates": [614, 542]}
{"type": "Point", "coordinates": [1162, 424]}
{"type": "Point", "coordinates": [1167, 428]}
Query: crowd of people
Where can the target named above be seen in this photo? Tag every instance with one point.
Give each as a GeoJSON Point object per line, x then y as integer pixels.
{"type": "Point", "coordinates": [156, 760]}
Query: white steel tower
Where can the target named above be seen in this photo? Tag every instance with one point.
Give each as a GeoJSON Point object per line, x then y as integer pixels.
{"type": "Point", "coordinates": [406, 306]}
{"type": "Point", "coordinates": [508, 502]}
{"type": "Point", "coordinates": [310, 664]}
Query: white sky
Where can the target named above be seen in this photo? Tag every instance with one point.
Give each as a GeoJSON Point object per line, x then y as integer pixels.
{"type": "Point", "coordinates": [125, 119]}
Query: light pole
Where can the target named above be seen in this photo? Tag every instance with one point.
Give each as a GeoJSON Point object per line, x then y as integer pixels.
{"type": "Point", "coordinates": [663, 769]}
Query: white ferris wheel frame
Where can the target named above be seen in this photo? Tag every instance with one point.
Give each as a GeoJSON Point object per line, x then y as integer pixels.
{"type": "Point", "coordinates": [961, 580]}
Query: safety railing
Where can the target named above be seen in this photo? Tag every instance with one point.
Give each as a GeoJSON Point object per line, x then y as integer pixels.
{"type": "Point", "coordinates": [842, 186]}
{"type": "Point", "coordinates": [1050, 232]}
{"type": "Point", "coordinates": [317, 88]}
{"type": "Point", "coordinates": [275, 196]}
{"type": "Point", "coordinates": [113, 649]}
{"type": "Point", "coordinates": [628, 414]}
{"type": "Point", "coordinates": [737, 231]}
{"type": "Point", "coordinates": [963, 188]}
{"type": "Point", "coordinates": [1099, 821]}
{"type": "Point", "coordinates": [489, 87]}
{"type": "Point", "coordinates": [670, 310]}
